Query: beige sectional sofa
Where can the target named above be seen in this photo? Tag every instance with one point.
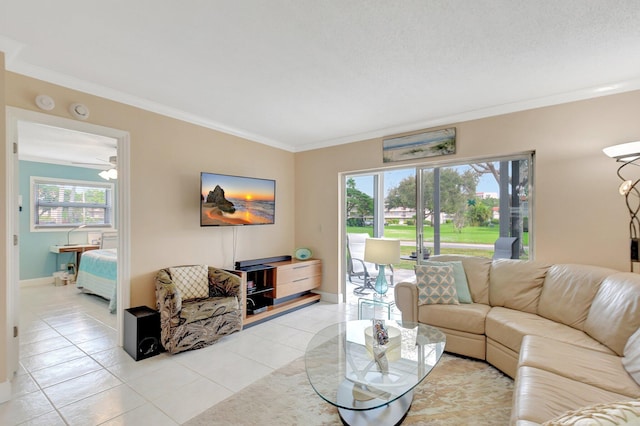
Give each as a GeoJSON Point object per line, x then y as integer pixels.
{"type": "Point", "coordinates": [560, 330]}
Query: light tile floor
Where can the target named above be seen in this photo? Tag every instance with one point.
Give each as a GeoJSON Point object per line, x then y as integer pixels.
{"type": "Point", "coordinates": [72, 371]}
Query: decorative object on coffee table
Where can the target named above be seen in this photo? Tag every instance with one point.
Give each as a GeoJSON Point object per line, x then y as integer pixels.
{"type": "Point", "coordinates": [384, 343]}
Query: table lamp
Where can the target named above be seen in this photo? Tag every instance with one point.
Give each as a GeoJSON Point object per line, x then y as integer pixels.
{"type": "Point", "coordinates": [70, 231]}
{"type": "Point", "coordinates": [381, 251]}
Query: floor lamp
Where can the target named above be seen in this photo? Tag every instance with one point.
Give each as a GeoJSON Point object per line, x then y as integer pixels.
{"type": "Point", "coordinates": [382, 252]}
{"type": "Point", "coordinates": [628, 154]}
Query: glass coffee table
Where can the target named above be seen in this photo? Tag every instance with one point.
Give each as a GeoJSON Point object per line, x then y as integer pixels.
{"type": "Point", "coordinates": [372, 383]}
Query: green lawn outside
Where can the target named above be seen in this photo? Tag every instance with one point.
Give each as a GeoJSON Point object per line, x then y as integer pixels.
{"type": "Point", "coordinates": [448, 234]}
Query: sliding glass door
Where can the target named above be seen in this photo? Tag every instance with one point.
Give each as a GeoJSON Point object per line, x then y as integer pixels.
{"type": "Point", "coordinates": [383, 204]}
{"type": "Point", "coordinates": [479, 208]}
{"type": "Point", "coordinates": [369, 212]}
{"type": "Point", "coordinates": [362, 203]}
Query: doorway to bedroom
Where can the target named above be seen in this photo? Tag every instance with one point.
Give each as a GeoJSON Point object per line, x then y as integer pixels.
{"type": "Point", "coordinates": [79, 161]}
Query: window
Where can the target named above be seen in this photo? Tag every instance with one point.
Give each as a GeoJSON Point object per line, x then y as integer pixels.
{"type": "Point", "coordinates": [63, 204]}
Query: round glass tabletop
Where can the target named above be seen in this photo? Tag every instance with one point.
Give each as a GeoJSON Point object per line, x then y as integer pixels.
{"type": "Point", "coordinates": [356, 366]}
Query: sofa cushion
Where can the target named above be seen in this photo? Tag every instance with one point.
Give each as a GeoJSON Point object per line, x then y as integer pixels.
{"type": "Point", "coordinates": [594, 368]}
{"type": "Point", "coordinates": [436, 285]}
{"type": "Point", "coordinates": [467, 317]}
{"type": "Point", "coordinates": [611, 414]}
{"type": "Point", "coordinates": [477, 271]}
{"type": "Point", "coordinates": [459, 278]}
{"type": "Point", "coordinates": [631, 359]}
{"type": "Point", "coordinates": [568, 291]}
{"type": "Point", "coordinates": [508, 327]}
{"type": "Point", "coordinates": [516, 284]}
{"type": "Point", "coordinates": [541, 395]}
{"type": "Point", "coordinates": [615, 312]}
{"type": "Point", "coordinates": [192, 281]}
{"type": "Point", "coordinates": [202, 309]}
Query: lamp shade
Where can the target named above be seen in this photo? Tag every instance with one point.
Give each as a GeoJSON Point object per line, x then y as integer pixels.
{"type": "Point", "coordinates": [624, 152]}
{"type": "Point", "coordinates": [382, 251]}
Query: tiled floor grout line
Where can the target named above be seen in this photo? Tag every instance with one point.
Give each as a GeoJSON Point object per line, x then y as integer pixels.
{"type": "Point", "coordinates": [42, 389]}
{"type": "Point", "coordinates": [46, 396]}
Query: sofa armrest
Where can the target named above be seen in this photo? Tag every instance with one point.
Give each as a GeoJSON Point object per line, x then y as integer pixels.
{"type": "Point", "coordinates": [406, 297]}
{"type": "Point", "coordinates": [224, 284]}
{"type": "Point", "coordinates": [167, 293]}
{"type": "Point", "coordinates": [169, 305]}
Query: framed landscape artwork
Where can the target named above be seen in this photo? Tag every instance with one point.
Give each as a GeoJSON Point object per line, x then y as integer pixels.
{"type": "Point", "coordinates": [426, 144]}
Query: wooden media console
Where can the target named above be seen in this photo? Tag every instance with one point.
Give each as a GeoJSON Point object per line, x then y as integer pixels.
{"type": "Point", "coordinates": [276, 285]}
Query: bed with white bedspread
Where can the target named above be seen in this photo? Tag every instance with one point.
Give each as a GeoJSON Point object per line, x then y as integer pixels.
{"type": "Point", "coordinates": [98, 274]}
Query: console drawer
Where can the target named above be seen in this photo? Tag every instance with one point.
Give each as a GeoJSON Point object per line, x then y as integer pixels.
{"type": "Point", "coordinates": [297, 277]}
{"type": "Point", "coordinates": [297, 286]}
{"type": "Point", "coordinates": [295, 271]}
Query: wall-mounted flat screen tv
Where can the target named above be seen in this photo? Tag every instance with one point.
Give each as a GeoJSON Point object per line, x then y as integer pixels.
{"type": "Point", "coordinates": [227, 200]}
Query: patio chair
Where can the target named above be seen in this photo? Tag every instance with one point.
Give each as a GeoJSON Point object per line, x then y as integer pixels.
{"type": "Point", "coordinates": [357, 267]}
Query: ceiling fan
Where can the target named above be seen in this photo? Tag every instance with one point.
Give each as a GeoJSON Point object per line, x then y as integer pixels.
{"type": "Point", "coordinates": [112, 163]}
{"type": "Point", "coordinates": [109, 168]}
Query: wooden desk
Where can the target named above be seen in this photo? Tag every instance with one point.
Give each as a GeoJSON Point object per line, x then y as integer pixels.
{"type": "Point", "coordinates": [78, 249]}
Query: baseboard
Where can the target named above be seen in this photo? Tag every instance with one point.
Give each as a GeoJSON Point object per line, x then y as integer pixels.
{"type": "Point", "coordinates": [329, 297]}
{"type": "Point", "coordinates": [5, 391]}
{"type": "Point", "coordinates": [36, 282]}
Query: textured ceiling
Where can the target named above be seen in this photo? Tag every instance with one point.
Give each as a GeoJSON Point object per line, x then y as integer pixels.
{"type": "Point", "coordinates": [306, 73]}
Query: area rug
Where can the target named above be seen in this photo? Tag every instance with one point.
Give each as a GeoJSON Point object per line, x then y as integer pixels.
{"type": "Point", "coordinates": [459, 391]}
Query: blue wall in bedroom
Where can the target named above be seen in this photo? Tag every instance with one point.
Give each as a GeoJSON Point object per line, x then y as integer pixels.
{"type": "Point", "coordinates": [36, 261]}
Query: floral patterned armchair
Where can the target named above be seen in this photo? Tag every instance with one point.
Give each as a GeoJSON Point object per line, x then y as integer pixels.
{"type": "Point", "coordinates": [198, 305]}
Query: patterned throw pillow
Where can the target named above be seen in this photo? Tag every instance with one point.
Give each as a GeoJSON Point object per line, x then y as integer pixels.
{"type": "Point", "coordinates": [192, 281]}
{"type": "Point", "coordinates": [436, 285]}
{"type": "Point", "coordinates": [631, 359]}
{"type": "Point", "coordinates": [616, 413]}
{"type": "Point", "coordinates": [459, 279]}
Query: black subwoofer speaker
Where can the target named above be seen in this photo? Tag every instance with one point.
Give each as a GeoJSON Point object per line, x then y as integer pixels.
{"type": "Point", "coordinates": [141, 332]}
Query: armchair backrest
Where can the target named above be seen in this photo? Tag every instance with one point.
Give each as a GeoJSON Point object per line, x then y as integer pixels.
{"type": "Point", "coordinates": [219, 283]}
{"type": "Point", "coordinates": [192, 281]}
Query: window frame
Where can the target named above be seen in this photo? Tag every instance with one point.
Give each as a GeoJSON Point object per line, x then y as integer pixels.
{"type": "Point", "coordinates": [34, 204]}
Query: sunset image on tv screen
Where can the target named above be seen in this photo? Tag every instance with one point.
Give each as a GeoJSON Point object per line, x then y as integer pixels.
{"type": "Point", "coordinates": [236, 200]}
